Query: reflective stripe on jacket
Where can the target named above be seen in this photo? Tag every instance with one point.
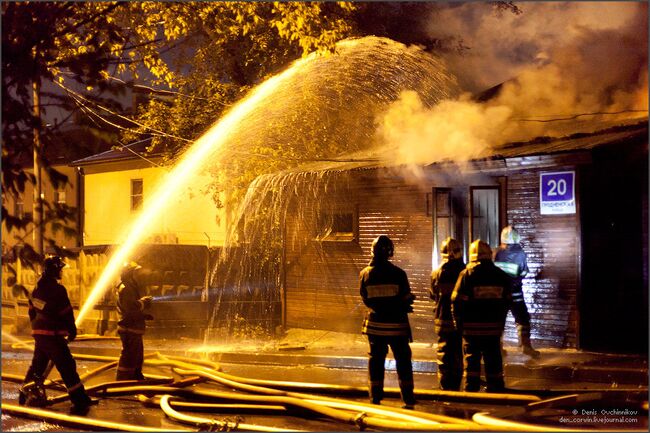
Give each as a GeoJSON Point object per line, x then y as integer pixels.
{"type": "Point", "coordinates": [50, 309]}
{"type": "Point", "coordinates": [385, 290]}
{"type": "Point", "coordinates": [511, 258]}
{"type": "Point", "coordinates": [481, 299]}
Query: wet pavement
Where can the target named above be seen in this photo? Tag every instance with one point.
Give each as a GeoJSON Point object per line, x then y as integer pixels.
{"type": "Point", "coordinates": [610, 385]}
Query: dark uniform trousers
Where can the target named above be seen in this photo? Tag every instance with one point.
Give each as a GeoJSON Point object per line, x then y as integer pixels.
{"type": "Point", "coordinates": [132, 356]}
{"type": "Point", "coordinates": [56, 348]}
{"type": "Point", "coordinates": [450, 360]}
{"type": "Point", "coordinates": [487, 347]}
{"type": "Point", "coordinates": [377, 357]}
{"type": "Point", "coordinates": [520, 314]}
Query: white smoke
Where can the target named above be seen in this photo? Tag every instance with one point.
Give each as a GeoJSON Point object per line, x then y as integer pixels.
{"type": "Point", "coordinates": [558, 60]}
{"type": "Point", "coordinates": [501, 46]}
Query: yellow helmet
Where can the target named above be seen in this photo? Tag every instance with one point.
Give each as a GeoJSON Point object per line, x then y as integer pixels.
{"type": "Point", "coordinates": [479, 250]}
{"type": "Point", "coordinates": [128, 268]}
{"type": "Point", "coordinates": [451, 249]}
{"type": "Point", "coordinates": [509, 235]}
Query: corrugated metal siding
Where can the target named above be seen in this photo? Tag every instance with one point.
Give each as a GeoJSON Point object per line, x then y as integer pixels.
{"type": "Point", "coordinates": [322, 289]}
{"type": "Point", "coordinates": [322, 278]}
{"type": "Point", "coordinates": [552, 245]}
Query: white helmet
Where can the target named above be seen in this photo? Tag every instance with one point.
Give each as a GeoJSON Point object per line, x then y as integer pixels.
{"type": "Point", "coordinates": [509, 235]}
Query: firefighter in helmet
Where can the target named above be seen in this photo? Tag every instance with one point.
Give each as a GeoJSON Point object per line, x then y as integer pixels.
{"type": "Point", "coordinates": [131, 308]}
{"type": "Point", "coordinates": [480, 303]}
{"type": "Point", "coordinates": [511, 258]}
{"type": "Point", "coordinates": [53, 327]}
{"type": "Point", "coordinates": [386, 292]}
{"type": "Point", "coordinates": [450, 348]}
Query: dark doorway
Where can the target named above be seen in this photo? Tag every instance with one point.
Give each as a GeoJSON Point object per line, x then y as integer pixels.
{"type": "Point", "coordinates": [614, 275]}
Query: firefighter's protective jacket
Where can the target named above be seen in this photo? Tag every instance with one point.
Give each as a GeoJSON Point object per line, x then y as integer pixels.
{"type": "Point", "coordinates": [385, 290]}
{"type": "Point", "coordinates": [511, 258]}
{"type": "Point", "coordinates": [50, 310]}
{"type": "Point", "coordinates": [443, 281]}
{"type": "Point", "coordinates": [481, 299]}
{"type": "Point", "coordinates": [130, 307]}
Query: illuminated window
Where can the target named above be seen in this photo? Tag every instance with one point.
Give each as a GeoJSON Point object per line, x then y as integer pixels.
{"type": "Point", "coordinates": [338, 226]}
{"type": "Point", "coordinates": [19, 208]}
{"type": "Point", "coordinates": [136, 194]}
{"type": "Point", "coordinates": [59, 196]}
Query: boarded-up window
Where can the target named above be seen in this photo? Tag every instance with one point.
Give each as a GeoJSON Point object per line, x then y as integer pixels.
{"type": "Point", "coordinates": [136, 194]}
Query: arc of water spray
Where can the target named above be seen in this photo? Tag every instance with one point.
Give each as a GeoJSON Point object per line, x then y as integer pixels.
{"type": "Point", "coordinates": [179, 177]}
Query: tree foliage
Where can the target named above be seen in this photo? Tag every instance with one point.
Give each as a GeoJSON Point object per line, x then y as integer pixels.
{"type": "Point", "coordinates": [46, 42]}
{"type": "Point", "coordinates": [204, 55]}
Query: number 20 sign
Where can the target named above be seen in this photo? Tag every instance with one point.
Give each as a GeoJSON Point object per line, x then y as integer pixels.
{"type": "Point", "coordinates": [557, 193]}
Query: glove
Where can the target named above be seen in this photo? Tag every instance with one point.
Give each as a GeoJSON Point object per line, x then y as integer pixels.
{"type": "Point", "coordinates": [148, 317]}
{"type": "Point", "coordinates": [146, 301]}
{"type": "Point", "coordinates": [72, 334]}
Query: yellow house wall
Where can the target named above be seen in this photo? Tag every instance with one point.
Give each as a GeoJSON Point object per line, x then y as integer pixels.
{"type": "Point", "coordinates": [189, 219]}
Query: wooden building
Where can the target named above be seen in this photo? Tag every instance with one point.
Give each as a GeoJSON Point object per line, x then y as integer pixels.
{"type": "Point", "coordinates": [580, 204]}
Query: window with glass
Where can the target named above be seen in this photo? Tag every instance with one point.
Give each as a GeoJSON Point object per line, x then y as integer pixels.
{"type": "Point", "coordinates": [19, 208]}
{"type": "Point", "coordinates": [340, 225]}
{"type": "Point", "coordinates": [59, 196]}
{"type": "Point", "coordinates": [137, 190]}
{"type": "Point", "coordinates": [485, 214]}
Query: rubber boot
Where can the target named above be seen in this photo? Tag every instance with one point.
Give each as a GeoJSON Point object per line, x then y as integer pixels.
{"type": "Point", "coordinates": [34, 395]}
{"type": "Point", "coordinates": [376, 393]}
{"type": "Point", "coordinates": [81, 402]}
{"type": "Point", "coordinates": [408, 396]}
{"type": "Point", "coordinates": [524, 342]}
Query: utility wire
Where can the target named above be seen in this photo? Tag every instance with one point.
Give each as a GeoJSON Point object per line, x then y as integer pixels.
{"type": "Point", "coordinates": [161, 133]}
{"type": "Point", "coordinates": [128, 148]}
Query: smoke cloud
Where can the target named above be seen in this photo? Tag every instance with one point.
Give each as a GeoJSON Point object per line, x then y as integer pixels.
{"type": "Point", "coordinates": [456, 130]}
{"type": "Point", "coordinates": [555, 60]}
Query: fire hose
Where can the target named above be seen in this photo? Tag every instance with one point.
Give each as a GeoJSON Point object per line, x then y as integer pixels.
{"type": "Point", "coordinates": [272, 399]}
{"type": "Point", "coordinates": [76, 421]}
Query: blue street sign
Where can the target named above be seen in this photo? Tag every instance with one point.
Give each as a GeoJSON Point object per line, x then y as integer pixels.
{"type": "Point", "coordinates": [557, 193]}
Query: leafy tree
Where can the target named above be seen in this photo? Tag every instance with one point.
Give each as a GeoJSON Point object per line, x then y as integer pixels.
{"type": "Point", "coordinates": [206, 55]}
{"type": "Point", "coordinates": [208, 51]}
{"type": "Point", "coordinates": [228, 48]}
{"type": "Point", "coordinates": [46, 42]}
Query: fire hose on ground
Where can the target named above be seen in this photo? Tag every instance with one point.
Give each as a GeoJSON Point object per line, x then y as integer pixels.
{"type": "Point", "coordinates": [267, 397]}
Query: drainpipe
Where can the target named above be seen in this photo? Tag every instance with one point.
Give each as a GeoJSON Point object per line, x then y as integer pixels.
{"type": "Point", "coordinates": [37, 205]}
{"type": "Point", "coordinates": [81, 206]}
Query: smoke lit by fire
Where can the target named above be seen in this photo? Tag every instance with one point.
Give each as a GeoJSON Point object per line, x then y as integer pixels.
{"type": "Point", "coordinates": [555, 60]}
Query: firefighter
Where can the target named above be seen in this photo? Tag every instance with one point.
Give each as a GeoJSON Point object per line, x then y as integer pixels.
{"type": "Point", "coordinates": [131, 307]}
{"type": "Point", "coordinates": [480, 303]}
{"type": "Point", "coordinates": [53, 327]}
{"type": "Point", "coordinates": [450, 348]}
{"type": "Point", "coordinates": [385, 290]}
{"type": "Point", "coordinates": [511, 258]}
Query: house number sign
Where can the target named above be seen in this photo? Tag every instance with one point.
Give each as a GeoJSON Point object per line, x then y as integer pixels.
{"type": "Point", "coordinates": [557, 193]}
